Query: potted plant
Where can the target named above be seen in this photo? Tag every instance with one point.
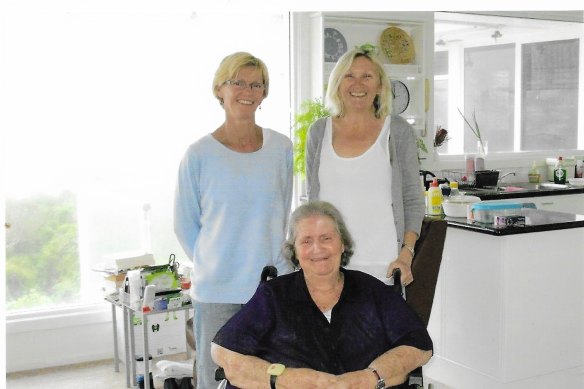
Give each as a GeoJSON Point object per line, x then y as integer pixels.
{"type": "Point", "coordinates": [310, 111]}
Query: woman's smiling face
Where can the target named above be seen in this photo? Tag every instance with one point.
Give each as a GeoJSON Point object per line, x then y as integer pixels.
{"type": "Point", "coordinates": [318, 245]}
{"type": "Point", "coordinates": [242, 102]}
{"type": "Point", "coordinates": [360, 84]}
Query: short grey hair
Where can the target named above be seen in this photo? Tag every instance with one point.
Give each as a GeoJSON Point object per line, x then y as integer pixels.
{"type": "Point", "coordinates": [317, 208]}
{"type": "Point", "coordinates": [382, 103]}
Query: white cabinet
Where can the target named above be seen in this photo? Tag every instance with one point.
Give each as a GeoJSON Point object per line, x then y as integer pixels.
{"type": "Point", "coordinates": [570, 203]}
{"type": "Point", "coordinates": [322, 36]}
{"type": "Point", "coordinates": [507, 314]}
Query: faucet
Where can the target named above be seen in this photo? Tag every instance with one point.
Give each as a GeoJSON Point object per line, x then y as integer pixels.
{"type": "Point", "coordinates": [505, 175]}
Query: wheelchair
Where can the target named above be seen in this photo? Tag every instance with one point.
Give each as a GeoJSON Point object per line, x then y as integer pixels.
{"type": "Point", "coordinates": [419, 295]}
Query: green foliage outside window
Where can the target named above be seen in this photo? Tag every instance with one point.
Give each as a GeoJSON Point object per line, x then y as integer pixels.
{"type": "Point", "coordinates": [42, 254]}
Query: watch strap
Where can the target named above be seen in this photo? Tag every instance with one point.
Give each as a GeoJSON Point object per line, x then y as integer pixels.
{"type": "Point", "coordinates": [275, 370]}
{"type": "Point", "coordinates": [273, 381]}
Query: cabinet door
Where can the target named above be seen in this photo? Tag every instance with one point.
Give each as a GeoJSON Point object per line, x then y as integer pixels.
{"type": "Point", "coordinates": [562, 203]}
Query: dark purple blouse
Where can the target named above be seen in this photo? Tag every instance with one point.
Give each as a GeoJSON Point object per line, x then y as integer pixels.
{"type": "Point", "coordinates": [282, 324]}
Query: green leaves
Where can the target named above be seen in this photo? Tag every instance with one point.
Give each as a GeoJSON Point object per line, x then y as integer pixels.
{"type": "Point", "coordinates": [475, 130]}
{"type": "Point", "coordinates": [368, 49]}
{"type": "Point", "coordinates": [311, 110]}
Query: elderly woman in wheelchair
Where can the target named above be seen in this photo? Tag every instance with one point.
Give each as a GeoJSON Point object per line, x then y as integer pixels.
{"type": "Point", "coordinates": [322, 326]}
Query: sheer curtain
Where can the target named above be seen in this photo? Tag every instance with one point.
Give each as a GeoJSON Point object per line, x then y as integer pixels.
{"type": "Point", "coordinates": [100, 107]}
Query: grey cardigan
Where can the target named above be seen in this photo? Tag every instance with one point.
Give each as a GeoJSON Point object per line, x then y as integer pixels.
{"type": "Point", "coordinates": [406, 192]}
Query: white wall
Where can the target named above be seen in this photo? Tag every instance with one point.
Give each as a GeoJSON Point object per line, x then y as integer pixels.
{"type": "Point", "coordinates": [73, 336]}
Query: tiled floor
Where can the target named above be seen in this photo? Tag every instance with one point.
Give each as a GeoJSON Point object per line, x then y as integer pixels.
{"type": "Point", "coordinates": [93, 375]}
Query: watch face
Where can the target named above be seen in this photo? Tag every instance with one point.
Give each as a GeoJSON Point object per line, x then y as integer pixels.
{"type": "Point", "coordinates": [401, 97]}
{"type": "Point", "coordinates": [276, 369]}
{"type": "Point", "coordinates": [335, 45]}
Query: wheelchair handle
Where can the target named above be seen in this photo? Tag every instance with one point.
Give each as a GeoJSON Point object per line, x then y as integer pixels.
{"type": "Point", "coordinates": [219, 374]}
{"type": "Point", "coordinates": [268, 273]}
{"type": "Point", "coordinates": [397, 284]}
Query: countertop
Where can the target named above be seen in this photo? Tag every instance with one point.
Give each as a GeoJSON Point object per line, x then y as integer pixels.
{"type": "Point", "coordinates": [535, 221]}
{"type": "Point", "coordinates": [521, 189]}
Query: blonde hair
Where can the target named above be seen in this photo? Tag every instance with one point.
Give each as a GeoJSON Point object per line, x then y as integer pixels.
{"type": "Point", "coordinates": [333, 101]}
{"type": "Point", "coordinates": [232, 64]}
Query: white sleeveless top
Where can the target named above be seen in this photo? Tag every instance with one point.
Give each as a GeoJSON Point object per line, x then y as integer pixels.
{"type": "Point", "coordinates": [360, 187]}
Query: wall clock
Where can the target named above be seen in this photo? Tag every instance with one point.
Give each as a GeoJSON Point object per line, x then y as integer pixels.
{"type": "Point", "coordinates": [397, 45]}
{"type": "Point", "coordinates": [401, 97]}
{"type": "Point", "coordinates": [335, 45]}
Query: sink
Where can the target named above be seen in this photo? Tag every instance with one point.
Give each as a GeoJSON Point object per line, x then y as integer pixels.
{"type": "Point", "coordinates": [511, 188]}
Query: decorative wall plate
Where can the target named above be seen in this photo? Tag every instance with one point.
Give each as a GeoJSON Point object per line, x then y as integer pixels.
{"type": "Point", "coordinates": [335, 45]}
{"type": "Point", "coordinates": [397, 45]}
{"type": "Point", "coordinates": [401, 97]}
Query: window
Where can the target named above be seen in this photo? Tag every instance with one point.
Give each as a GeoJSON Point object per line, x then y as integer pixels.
{"type": "Point", "coordinates": [550, 94]}
{"type": "Point", "coordinates": [520, 77]}
{"type": "Point", "coordinates": [489, 91]}
{"type": "Point", "coordinates": [102, 106]}
{"type": "Point", "coordinates": [441, 92]}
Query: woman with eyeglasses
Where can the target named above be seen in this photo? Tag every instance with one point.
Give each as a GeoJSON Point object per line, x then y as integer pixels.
{"type": "Point", "coordinates": [232, 201]}
{"type": "Point", "coordinates": [364, 160]}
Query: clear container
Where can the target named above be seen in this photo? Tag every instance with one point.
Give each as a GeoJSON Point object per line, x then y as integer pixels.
{"type": "Point", "coordinates": [533, 174]}
{"type": "Point", "coordinates": [457, 206]}
{"type": "Point", "coordinates": [485, 212]}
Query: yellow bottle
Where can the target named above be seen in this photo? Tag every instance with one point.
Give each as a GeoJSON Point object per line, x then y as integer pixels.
{"type": "Point", "coordinates": [434, 200]}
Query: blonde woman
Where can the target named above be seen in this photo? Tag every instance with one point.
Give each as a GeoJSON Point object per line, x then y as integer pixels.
{"type": "Point", "coordinates": [232, 201]}
{"type": "Point", "coordinates": [364, 160]}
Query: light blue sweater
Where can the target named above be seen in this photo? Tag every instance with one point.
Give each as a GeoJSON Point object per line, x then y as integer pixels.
{"type": "Point", "coordinates": [230, 216]}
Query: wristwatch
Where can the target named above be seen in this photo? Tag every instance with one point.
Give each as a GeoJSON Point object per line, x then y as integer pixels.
{"type": "Point", "coordinates": [275, 370]}
{"type": "Point", "coordinates": [380, 381]}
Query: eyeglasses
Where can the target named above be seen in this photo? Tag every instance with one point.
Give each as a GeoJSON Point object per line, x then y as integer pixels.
{"type": "Point", "coordinates": [241, 85]}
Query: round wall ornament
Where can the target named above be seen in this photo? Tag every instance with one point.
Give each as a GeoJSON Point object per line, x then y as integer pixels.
{"type": "Point", "coordinates": [401, 97]}
{"type": "Point", "coordinates": [397, 45]}
{"type": "Point", "coordinates": [335, 45]}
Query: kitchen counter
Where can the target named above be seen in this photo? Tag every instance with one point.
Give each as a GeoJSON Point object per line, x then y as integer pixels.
{"type": "Point", "coordinates": [535, 221]}
{"type": "Point", "coordinates": [522, 189]}
{"type": "Point", "coordinates": [508, 311]}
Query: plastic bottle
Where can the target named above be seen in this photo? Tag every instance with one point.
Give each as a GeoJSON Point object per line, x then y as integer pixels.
{"type": "Point", "coordinates": [579, 168]}
{"type": "Point", "coordinates": [454, 188]}
{"type": "Point", "coordinates": [560, 172]}
{"type": "Point", "coordinates": [469, 160]}
{"type": "Point", "coordinates": [434, 200]}
{"type": "Point", "coordinates": [533, 174]}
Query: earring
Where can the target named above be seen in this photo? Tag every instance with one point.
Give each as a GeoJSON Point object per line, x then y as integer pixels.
{"type": "Point", "coordinates": [260, 107]}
